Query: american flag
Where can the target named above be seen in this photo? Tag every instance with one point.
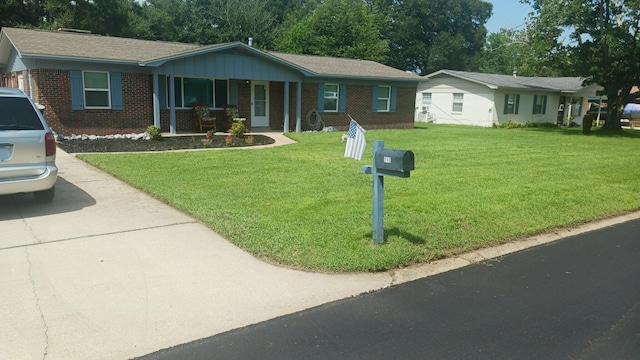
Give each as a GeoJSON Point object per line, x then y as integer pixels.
{"type": "Point", "coordinates": [355, 141]}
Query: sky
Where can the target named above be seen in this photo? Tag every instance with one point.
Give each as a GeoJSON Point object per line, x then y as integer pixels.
{"type": "Point", "coordinates": [507, 14]}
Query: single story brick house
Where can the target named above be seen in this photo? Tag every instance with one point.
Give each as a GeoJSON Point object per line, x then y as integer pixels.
{"type": "Point", "coordinates": [101, 85]}
{"type": "Point", "coordinates": [470, 98]}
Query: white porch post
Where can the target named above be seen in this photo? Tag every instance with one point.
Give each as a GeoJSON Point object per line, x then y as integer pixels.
{"type": "Point", "coordinates": [298, 106]}
{"type": "Point", "coordinates": [172, 105]}
{"type": "Point", "coordinates": [286, 107]}
{"type": "Point", "coordinates": [569, 112]}
{"type": "Point", "coordinates": [156, 101]}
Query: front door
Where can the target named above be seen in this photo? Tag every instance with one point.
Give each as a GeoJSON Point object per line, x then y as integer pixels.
{"type": "Point", "coordinates": [259, 104]}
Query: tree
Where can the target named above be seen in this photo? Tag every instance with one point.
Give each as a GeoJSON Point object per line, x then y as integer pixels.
{"type": "Point", "coordinates": [429, 35]}
{"type": "Point", "coordinates": [603, 44]}
{"type": "Point", "coordinates": [18, 13]}
{"type": "Point", "coordinates": [238, 20]}
{"type": "Point", "coordinates": [510, 50]}
{"type": "Point", "coordinates": [341, 28]}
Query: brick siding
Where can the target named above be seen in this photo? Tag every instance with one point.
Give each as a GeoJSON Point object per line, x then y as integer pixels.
{"type": "Point", "coordinates": [52, 88]}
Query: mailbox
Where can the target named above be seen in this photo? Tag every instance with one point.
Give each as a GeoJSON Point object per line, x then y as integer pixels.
{"type": "Point", "coordinates": [394, 162]}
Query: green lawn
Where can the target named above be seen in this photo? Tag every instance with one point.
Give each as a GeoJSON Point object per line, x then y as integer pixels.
{"type": "Point", "coordinates": [306, 206]}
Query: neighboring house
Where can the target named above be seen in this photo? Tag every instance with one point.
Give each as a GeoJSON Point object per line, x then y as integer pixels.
{"type": "Point", "coordinates": [98, 84]}
{"type": "Point", "coordinates": [468, 98]}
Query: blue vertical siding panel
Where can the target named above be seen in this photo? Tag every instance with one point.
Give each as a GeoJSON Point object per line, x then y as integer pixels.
{"type": "Point", "coordinates": [116, 90]}
{"type": "Point", "coordinates": [77, 97]}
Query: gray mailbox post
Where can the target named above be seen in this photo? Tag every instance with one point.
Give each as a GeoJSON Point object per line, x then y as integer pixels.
{"type": "Point", "coordinates": [386, 162]}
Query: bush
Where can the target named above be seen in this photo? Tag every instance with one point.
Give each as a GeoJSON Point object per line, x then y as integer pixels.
{"type": "Point", "coordinates": [237, 129]}
{"type": "Point", "coordinates": [154, 132]}
{"type": "Point", "coordinates": [515, 125]}
{"type": "Point", "coordinates": [510, 125]}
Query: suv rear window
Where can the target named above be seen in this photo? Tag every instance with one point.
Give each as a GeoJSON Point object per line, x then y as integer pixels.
{"type": "Point", "coordinates": [17, 114]}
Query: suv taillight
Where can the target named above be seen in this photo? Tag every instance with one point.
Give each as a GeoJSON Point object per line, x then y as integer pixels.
{"type": "Point", "coordinates": [50, 144]}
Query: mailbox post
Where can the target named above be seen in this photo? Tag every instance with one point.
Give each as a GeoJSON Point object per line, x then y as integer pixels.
{"type": "Point", "coordinates": [386, 162]}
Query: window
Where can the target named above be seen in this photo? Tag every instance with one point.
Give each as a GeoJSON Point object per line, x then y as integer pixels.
{"type": "Point", "coordinates": [331, 97]}
{"type": "Point", "coordinates": [511, 103]}
{"type": "Point", "coordinates": [96, 89]}
{"type": "Point", "coordinates": [458, 101]}
{"type": "Point", "coordinates": [426, 101]}
{"type": "Point", "coordinates": [539, 104]}
{"type": "Point", "coordinates": [189, 91]}
{"type": "Point", "coordinates": [384, 98]}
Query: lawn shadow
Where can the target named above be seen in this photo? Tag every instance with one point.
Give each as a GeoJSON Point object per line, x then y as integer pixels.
{"type": "Point", "coordinates": [416, 240]}
{"type": "Point", "coordinates": [624, 133]}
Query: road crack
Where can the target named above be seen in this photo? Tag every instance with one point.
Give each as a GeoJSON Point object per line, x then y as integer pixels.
{"type": "Point", "coordinates": [35, 294]}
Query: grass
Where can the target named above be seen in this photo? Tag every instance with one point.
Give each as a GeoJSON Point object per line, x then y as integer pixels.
{"type": "Point", "coordinates": [308, 207]}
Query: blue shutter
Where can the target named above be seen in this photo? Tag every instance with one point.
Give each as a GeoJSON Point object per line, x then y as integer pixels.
{"type": "Point", "coordinates": [320, 98]}
{"type": "Point", "coordinates": [116, 90]}
{"type": "Point", "coordinates": [77, 96]}
{"type": "Point", "coordinates": [394, 96]}
{"type": "Point", "coordinates": [374, 106]}
{"type": "Point", "coordinates": [342, 102]}
{"type": "Point", "coordinates": [233, 92]}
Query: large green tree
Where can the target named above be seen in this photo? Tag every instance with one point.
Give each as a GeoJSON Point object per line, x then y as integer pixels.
{"type": "Point", "coordinates": [429, 35]}
{"type": "Point", "coordinates": [19, 13]}
{"type": "Point", "coordinates": [342, 28]}
{"type": "Point", "coordinates": [512, 50]}
{"type": "Point", "coordinates": [603, 44]}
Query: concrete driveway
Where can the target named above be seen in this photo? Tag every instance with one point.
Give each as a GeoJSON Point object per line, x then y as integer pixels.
{"type": "Point", "coordinates": [107, 272]}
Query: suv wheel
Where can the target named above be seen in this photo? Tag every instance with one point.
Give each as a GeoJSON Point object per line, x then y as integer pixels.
{"type": "Point", "coordinates": [45, 196]}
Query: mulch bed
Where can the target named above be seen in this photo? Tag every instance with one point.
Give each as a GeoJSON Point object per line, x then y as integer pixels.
{"type": "Point", "coordinates": [167, 143]}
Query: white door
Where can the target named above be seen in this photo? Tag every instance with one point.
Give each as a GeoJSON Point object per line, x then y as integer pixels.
{"type": "Point", "coordinates": [259, 104]}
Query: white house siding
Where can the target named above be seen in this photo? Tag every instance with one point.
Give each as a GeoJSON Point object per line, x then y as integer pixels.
{"type": "Point", "coordinates": [478, 103]}
{"type": "Point", "coordinates": [525, 108]}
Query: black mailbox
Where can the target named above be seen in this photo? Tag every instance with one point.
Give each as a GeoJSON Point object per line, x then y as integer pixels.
{"type": "Point", "coordinates": [394, 162]}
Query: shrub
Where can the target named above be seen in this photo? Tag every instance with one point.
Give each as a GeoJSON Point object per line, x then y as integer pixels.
{"type": "Point", "coordinates": [237, 129]}
{"type": "Point", "coordinates": [154, 132]}
{"type": "Point", "coordinates": [510, 125]}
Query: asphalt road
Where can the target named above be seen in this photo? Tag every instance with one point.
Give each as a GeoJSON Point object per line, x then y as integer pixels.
{"type": "Point", "coordinates": [577, 298]}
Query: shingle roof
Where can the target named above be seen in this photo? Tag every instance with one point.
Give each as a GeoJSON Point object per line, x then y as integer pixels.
{"type": "Point", "coordinates": [344, 67]}
{"type": "Point", "coordinates": [89, 47]}
{"type": "Point", "coordinates": [569, 84]}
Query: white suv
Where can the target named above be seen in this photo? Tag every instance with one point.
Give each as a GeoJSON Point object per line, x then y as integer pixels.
{"type": "Point", "coordinates": [27, 148]}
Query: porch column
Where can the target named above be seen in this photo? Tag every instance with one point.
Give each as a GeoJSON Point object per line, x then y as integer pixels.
{"type": "Point", "coordinates": [156, 101]}
{"type": "Point", "coordinates": [286, 106]}
{"type": "Point", "coordinates": [570, 110]}
{"type": "Point", "coordinates": [172, 105]}
{"type": "Point", "coordinates": [298, 106]}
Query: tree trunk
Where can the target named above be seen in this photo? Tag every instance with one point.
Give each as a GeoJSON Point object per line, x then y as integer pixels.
{"type": "Point", "coordinates": [615, 107]}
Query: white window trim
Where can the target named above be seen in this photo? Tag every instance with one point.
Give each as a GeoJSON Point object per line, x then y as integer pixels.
{"type": "Point", "coordinates": [454, 102]}
{"type": "Point", "coordinates": [426, 105]}
{"type": "Point", "coordinates": [387, 99]}
{"type": "Point", "coordinates": [107, 90]}
{"type": "Point", "coordinates": [337, 97]}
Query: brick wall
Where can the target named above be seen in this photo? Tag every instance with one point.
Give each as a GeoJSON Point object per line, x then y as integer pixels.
{"type": "Point", "coordinates": [52, 88]}
{"type": "Point", "coordinates": [358, 106]}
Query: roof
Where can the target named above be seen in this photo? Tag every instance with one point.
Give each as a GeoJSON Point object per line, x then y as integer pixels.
{"type": "Point", "coordinates": [41, 43]}
{"type": "Point", "coordinates": [344, 67]}
{"type": "Point", "coordinates": [493, 81]}
{"type": "Point", "coordinates": [97, 48]}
